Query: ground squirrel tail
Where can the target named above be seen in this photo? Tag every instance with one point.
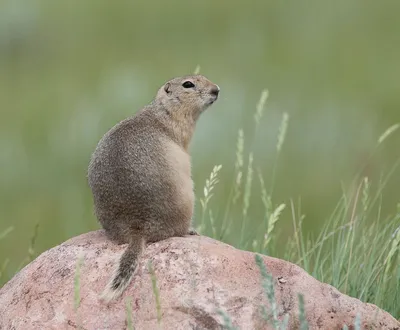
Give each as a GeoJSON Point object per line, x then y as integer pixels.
{"type": "Point", "coordinates": [125, 270]}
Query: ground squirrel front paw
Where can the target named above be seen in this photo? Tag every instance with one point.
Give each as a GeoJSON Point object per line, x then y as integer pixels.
{"type": "Point", "coordinates": [193, 232]}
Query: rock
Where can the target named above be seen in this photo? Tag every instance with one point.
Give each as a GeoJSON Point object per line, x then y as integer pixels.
{"type": "Point", "coordinates": [196, 276]}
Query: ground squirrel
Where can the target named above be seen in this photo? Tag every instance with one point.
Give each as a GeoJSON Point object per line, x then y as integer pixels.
{"type": "Point", "coordinates": [140, 173]}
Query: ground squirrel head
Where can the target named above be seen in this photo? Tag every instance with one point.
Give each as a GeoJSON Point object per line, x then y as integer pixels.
{"type": "Point", "coordinates": [188, 95]}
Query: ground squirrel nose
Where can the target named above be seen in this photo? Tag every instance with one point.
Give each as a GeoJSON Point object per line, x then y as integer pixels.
{"type": "Point", "coordinates": [215, 90]}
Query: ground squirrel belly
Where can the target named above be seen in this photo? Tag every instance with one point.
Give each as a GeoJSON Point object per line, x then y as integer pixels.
{"type": "Point", "coordinates": [140, 173]}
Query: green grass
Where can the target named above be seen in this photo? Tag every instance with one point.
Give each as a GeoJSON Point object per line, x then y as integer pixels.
{"type": "Point", "coordinates": [156, 291]}
{"type": "Point", "coordinates": [271, 316]}
{"type": "Point", "coordinates": [4, 264]}
{"type": "Point", "coordinates": [128, 311]}
{"type": "Point", "coordinates": [77, 290]}
{"type": "Point", "coordinates": [227, 321]}
{"type": "Point", "coordinates": [357, 249]}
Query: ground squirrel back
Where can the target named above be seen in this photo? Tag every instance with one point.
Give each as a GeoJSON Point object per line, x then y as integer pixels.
{"type": "Point", "coordinates": [140, 173]}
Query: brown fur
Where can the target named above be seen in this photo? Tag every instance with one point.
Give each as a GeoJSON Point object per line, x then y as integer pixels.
{"type": "Point", "coordinates": [140, 173]}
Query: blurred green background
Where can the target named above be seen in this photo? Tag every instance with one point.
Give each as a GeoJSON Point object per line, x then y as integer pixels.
{"type": "Point", "coordinates": [69, 70]}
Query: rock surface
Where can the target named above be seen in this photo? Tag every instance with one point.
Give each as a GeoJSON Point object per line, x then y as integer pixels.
{"type": "Point", "coordinates": [196, 276]}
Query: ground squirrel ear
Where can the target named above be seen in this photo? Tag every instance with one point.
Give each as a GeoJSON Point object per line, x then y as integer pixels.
{"type": "Point", "coordinates": [167, 88]}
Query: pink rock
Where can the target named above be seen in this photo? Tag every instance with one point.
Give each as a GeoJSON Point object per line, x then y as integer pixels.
{"type": "Point", "coordinates": [195, 275]}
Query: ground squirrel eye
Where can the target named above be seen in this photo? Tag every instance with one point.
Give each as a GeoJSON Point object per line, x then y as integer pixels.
{"type": "Point", "coordinates": [188, 84]}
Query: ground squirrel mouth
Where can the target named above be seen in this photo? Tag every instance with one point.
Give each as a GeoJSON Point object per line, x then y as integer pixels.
{"type": "Point", "coordinates": [212, 99]}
